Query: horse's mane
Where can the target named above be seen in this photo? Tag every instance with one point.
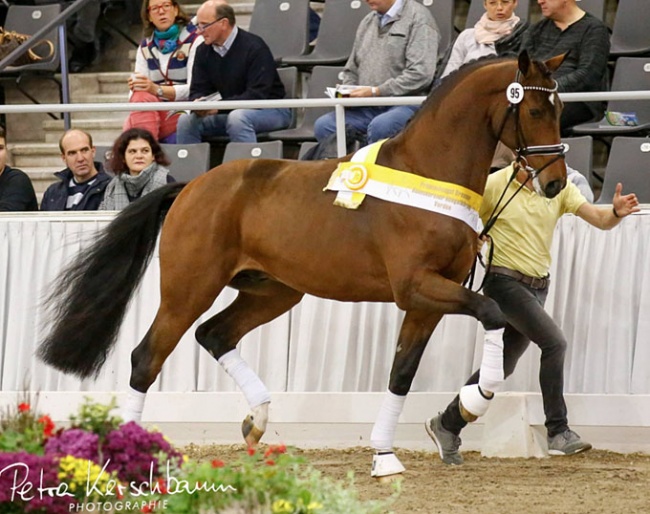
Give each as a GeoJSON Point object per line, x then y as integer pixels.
{"type": "Point", "coordinates": [448, 83]}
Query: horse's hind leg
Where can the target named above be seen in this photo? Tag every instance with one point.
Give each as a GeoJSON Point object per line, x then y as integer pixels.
{"type": "Point", "coordinates": [414, 335]}
{"type": "Point", "coordinates": [182, 302]}
{"type": "Point", "coordinates": [220, 334]}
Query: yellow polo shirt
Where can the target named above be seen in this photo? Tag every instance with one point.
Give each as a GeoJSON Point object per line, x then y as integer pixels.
{"type": "Point", "coordinates": [524, 231]}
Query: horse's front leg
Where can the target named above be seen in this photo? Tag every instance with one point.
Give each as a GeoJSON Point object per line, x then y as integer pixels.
{"type": "Point", "coordinates": [441, 294]}
{"type": "Point", "coordinates": [414, 335]}
{"type": "Point", "coordinates": [425, 304]}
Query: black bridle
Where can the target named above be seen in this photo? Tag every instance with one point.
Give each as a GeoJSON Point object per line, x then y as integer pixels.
{"type": "Point", "coordinates": [523, 150]}
{"type": "Point", "coordinates": [521, 162]}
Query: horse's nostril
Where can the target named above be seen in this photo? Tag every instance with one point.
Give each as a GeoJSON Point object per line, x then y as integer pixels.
{"type": "Point", "coordinates": [553, 188]}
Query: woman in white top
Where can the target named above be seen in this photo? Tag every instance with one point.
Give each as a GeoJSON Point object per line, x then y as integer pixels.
{"type": "Point", "coordinates": [163, 66]}
{"type": "Point", "coordinates": [497, 22]}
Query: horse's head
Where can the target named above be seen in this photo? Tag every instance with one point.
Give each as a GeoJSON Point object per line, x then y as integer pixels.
{"type": "Point", "coordinates": [532, 123]}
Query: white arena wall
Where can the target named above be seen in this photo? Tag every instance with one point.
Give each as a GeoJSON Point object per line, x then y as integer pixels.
{"type": "Point", "coordinates": [327, 363]}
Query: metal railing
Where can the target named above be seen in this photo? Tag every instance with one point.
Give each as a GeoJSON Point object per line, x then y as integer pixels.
{"type": "Point", "coordinates": [339, 105]}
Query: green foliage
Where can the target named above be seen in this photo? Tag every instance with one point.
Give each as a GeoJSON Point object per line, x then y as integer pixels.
{"type": "Point", "coordinates": [96, 418]}
{"type": "Point", "coordinates": [274, 482]}
{"type": "Point", "coordinates": [22, 429]}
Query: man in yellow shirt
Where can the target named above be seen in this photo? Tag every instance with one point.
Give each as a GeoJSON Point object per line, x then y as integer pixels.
{"type": "Point", "coordinates": [518, 281]}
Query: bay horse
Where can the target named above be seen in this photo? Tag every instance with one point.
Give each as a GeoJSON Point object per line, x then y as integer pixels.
{"type": "Point", "coordinates": [268, 229]}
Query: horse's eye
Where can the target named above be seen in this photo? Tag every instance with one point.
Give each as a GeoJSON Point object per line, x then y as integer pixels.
{"type": "Point", "coordinates": [535, 113]}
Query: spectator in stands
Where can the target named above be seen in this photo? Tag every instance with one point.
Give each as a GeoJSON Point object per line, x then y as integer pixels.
{"type": "Point", "coordinates": [499, 24]}
{"type": "Point", "coordinates": [394, 54]}
{"type": "Point", "coordinates": [82, 33]}
{"type": "Point", "coordinates": [239, 65]}
{"type": "Point", "coordinates": [16, 190]}
{"type": "Point", "coordinates": [82, 183]}
{"type": "Point", "coordinates": [139, 163]}
{"type": "Point", "coordinates": [567, 28]}
{"type": "Point", "coordinates": [518, 281]}
{"type": "Point", "coordinates": [163, 66]}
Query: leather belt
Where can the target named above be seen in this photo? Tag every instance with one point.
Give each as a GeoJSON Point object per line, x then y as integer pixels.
{"type": "Point", "coordinates": [534, 282]}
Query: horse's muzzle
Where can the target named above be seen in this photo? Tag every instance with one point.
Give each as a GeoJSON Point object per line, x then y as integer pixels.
{"type": "Point", "coordinates": [553, 188]}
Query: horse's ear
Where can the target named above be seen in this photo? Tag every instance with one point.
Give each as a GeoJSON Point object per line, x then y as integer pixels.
{"type": "Point", "coordinates": [555, 62]}
{"type": "Point", "coordinates": [524, 62]}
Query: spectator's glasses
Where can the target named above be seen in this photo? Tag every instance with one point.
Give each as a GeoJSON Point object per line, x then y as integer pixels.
{"type": "Point", "coordinates": [202, 27]}
{"type": "Point", "coordinates": [161, 8]}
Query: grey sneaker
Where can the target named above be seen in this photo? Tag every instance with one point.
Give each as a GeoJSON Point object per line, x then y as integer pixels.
{"type": "Point", "coordinates": [447, 442]}
{"type": "Point", "coordinates": [567, 443]}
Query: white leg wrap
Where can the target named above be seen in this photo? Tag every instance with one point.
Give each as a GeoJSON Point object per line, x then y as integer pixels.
{"type": "Point", "coordinates": [386, 464]}
{"type": "Point", "coordinates": [133, 406]}
{"type": "Point", "coordinates": [473, 401]}
{"type": "Point", "coordinates": [491, 376]}
{"type": "Point", "coordinates": [246, 379]}
{"type": "Point", "coordinates": [383, 433]}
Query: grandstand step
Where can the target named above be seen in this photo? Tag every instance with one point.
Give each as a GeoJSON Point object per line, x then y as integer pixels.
{"type": "Point", "coordinates": [113, 82]}
{"type": "Point", "coordinates": [100, 99]}
{"type": "Point", "coordinates": [104, 129]}
{"type": "Point", "coordinates": [83, 84]}
{"type": "Point", "coordinates": [36, 155]}
{"type": "Point", "coordinates": [42, 177]}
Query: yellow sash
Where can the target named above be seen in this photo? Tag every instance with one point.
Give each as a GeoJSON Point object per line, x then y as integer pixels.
{"type": "Point", "coordinates": [362, 176]}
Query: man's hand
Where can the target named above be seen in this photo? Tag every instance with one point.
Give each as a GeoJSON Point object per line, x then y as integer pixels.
{"type": "Point", "coordinates": [624, 205]}
{"type": "Point", "coordinates": [361, 92]}
{"type": "Point", "coordinates": [480, 241]}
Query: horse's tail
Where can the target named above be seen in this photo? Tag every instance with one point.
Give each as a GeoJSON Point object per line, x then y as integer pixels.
{"type": "Point", "coordinates": [88, 300]}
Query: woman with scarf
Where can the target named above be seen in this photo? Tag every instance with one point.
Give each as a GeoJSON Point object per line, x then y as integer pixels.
{"type": "Point", "coordinates": [163, 66]}
{"type": "Point", "coordinates": [497, 26]}
{"type": "Point", "coordinates": [139, 163]}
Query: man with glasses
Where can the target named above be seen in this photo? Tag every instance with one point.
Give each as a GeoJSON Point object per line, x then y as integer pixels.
{"type": "Point", "coordinates": [239, 66]}
{"type": "Point", "coordinates": [82, 183]}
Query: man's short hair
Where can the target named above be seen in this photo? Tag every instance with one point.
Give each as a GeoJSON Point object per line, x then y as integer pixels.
{"type": "Point", "coordinates": [3, 134]}
{"type": "Point", "coordinates": [226, 11]}
{"type": "Point", "coordinates": [90, 138]}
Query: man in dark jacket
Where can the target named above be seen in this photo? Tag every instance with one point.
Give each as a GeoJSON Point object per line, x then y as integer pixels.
{"type": "Point", "coordinates": [82, 184]}
{"type": "Point", "coordinates": [16, 190]}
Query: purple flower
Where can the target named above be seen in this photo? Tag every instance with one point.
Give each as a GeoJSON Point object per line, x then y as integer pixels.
{"type": "Point", "coordinates": [75, 442]}
{"type": "Point", "coordinates": [132, 450]}
{"type": "Point", "coordinates": [19, 471]}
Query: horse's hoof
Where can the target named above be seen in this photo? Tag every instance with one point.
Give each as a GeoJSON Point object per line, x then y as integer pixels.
{"type": "Point", "coordinates": [389, 479]}
{"type": "Point", "coordinates": [386, 467]}
{"type": "Point", "coordinates": [472, 403]}
{"type": "Point", "coordinates": [251, 433]}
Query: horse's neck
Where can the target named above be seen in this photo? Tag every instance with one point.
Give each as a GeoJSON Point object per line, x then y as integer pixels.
{"type": "Point", "coordinates": [452, 141]}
